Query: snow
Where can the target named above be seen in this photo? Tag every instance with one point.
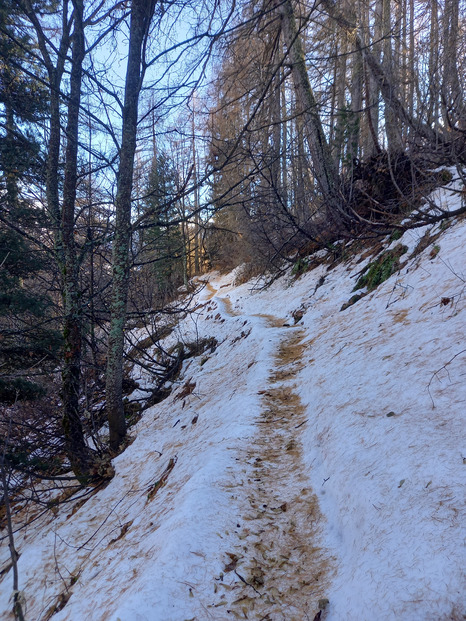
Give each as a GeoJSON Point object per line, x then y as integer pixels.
{"type": "Point", "coordinates": [353, 422]}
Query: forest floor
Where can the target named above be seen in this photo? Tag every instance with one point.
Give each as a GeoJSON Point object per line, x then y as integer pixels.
{"type": "Point", "coordinates": [309, 465]}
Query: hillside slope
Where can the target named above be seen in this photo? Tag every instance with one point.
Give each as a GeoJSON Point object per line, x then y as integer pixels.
{"type": "Point", "coordinates": [293, 463]}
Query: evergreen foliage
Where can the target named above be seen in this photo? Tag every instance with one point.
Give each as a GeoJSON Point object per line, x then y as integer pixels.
{"type": "Point", "coordinates": [381, 269]}
{"type": "Point", "coordinates": [26, 334]}
{"type": "Point", "coordinates": [164, 246]}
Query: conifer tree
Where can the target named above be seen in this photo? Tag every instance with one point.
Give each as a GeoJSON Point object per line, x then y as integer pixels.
{"type": "Point", "coordinates": [24, 312]}
{"type": "Point", "coordinates": [164, 245]}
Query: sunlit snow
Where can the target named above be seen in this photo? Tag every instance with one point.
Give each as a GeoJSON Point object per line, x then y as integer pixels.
{"type": "Point", "coordinates": [319, 461]}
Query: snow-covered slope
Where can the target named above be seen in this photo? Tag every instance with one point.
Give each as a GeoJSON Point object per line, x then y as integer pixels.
{"type": "Point", "coordinates": [293, 464]}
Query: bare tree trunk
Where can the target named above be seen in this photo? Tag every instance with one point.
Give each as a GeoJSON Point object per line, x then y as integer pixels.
{"type": "Point", "coordinates": [90, 241]}
{"type": "Point", "coordinates": [340, 88]}
{"type": "Point", "coordinates": [277, 145]}
{"type": "Point", "coordinates": [141, 15]}
{"type": "Point", "coordinates": [434, 88]}
{"type": "Point", "coordinates": [17, 606]}
{"type": "Point", "coordinates": [392, 123]}
{"type": "Point", "coordinates": [371, 144]}
{"type": "Point", "coordinates": [385, 85]}
{"type": "Point", "coordinates": [303, 183]}
{"type": "Point", "coordinates": [76, 447]}
{"type": "Point", "coordinates": [197, 222]}
{"type": "Point", "coordinates": [11, 184]}
{"type": "Point", "coordinates": [63, 218]}
{"type": "Point", "coordinates": [55, 75]}
{"type": "Point", "coordinates": [325, 172]}
{"type": "Point", "coordinates": [410, 63]}
{"type": "Point", "coordinates": [356, 106]}
{"type": "Point", "coordinates": [452, 96]}
{"type": "Point", "coordinates": [284, 140]}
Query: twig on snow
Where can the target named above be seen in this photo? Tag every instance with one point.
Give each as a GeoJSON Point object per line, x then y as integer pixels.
{"type": "Point", "coordinates": [435, 374]}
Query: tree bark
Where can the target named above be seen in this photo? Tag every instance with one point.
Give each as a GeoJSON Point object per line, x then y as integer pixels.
{"type": "Point", "coordinates": [392, 122]}
{"type": "Point", "coordinates": [356, 106]}
{"type": "Point", "coordinates": [76, 448]}
{"type": "Point", "coordinates": [452, 95]}
{"type": "Point", "coordinates": [55, 75]}
{"type": "Point", "coordinates": [325, 173]}
{"type": "Point", "coordinates": [62, 217]}
{"type": "Point", "coordinates": [371, 142]}
{"type": "Point", "coordinates": [339, 86]}
{"type": "Point", "coordinates": [434, 87]}
{"type": "Point", "coordinates": [17, 605]}
{"type": "Point", "coordinates": [384, 83]}
{"type": "Point", "coordinates": [410, 62]}
{"type": "Point", "coordinates": [141, 15]}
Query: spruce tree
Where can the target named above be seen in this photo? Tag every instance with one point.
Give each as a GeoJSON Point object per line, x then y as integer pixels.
{"type": "Point", "coordinates": [164, 246]}
{"type": "Point", "coordinates": [25, 312]}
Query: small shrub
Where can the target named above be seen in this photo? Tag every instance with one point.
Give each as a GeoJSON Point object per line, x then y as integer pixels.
{"type": "Point", "coordinates": [445, 176]}
{"type": "Point", "coordinates": [380, 270]}
{"type": "Point", "coordinates": [396, 234]}
{"type": "Point", "coordinates": [19, 389]}
{"type": "Point", "coordinates": [300, 267]}
{"type": "Point", "coordinates": [434, 252]}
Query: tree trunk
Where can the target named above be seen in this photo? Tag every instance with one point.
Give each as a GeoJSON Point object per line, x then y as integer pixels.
{"type": "Point", "coordinates": [55, 74]}
{"type": "Point", "coordinates": [384, 83]}
{"type": "Point", "coordinates": [141, 15]}
{"type": "Point", "coordinates": [392, 122]}
{"type": "Point", "coordinates": [76, 448]}
{"type": "Point", "coordinates": [452, 96]}
{"type": "Point", "coordinates": [354, 128]}
{"type": "Point", "coordinates": [17, 605]}
{"type": "Point", "coordinates": [197, 220]}
{"type": "Point", "coordinates": [284, 140]}
{"type": "Point", "coordinates": [325, 173]}
{"type": "Point", "coordinates": [340, 92]}
{"type": "Point", "coordinates": [410, 63]}
{"type": "Point", "coordinates": [277, 145]}
{"type": "Point", "coordinates": [11, 185]}
{"type": "Point", "coordinates": [371, 144]}
{"type": "Point", "coordinates": [63, 218]}
{"type": "Point", "coordinates": [434, 88]}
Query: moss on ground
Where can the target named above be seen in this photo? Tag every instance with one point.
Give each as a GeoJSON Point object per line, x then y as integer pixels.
{"type": "Point", "coordinates": [381, 269]}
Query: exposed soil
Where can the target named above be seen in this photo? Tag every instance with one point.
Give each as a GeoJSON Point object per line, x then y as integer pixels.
{"type": "Point", "coordinates": [279, 570]}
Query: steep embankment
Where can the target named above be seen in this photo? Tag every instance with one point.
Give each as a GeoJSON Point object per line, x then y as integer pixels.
{"type": "Point", "coordinates": [290, 464]}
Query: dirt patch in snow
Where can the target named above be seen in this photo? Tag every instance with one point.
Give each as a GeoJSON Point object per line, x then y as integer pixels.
{"type": "Point", "coordinates": [277, 569]}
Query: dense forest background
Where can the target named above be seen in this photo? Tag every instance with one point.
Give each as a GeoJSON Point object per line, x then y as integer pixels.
{"type": "Point", "coordinates": [143, 143]}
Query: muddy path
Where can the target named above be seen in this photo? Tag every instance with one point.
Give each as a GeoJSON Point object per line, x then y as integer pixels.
{"type": "Point", "coordinates": [276, 570]}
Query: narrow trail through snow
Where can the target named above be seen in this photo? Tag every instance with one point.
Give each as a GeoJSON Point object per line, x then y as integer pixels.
{"type": "Point", "coordinates": [276, 570]}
